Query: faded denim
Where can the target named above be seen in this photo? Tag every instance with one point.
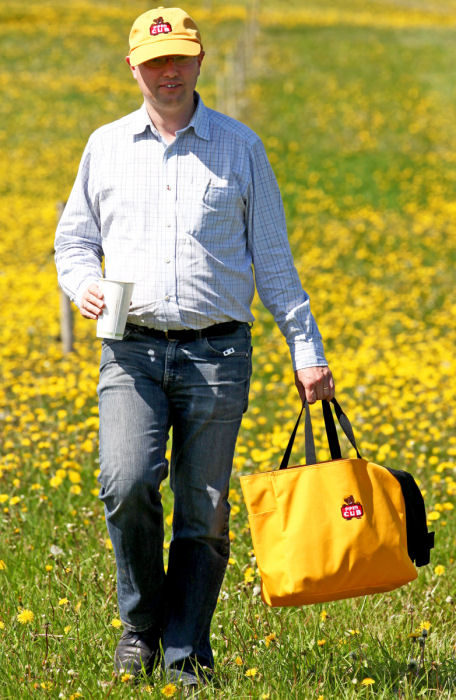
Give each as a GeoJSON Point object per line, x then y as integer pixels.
{"type": "Point", "coordinates": [148, 386]}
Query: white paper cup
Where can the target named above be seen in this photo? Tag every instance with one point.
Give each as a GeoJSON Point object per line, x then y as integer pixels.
{"type": "Point", "coordinates": [117, 296]}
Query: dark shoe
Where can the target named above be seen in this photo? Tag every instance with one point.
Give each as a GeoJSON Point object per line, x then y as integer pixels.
{"type": "Point", "coordinates": [136, 651]}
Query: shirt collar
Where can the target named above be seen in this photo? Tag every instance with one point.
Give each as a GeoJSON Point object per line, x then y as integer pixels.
{"type": "Point", "coordinates": [199, 121]}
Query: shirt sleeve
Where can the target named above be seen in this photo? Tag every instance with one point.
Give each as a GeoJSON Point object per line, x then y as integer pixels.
{"type": "Point", "coordinates": [276, 277]}
{"type": "Point", "coordinates": [78, 246]}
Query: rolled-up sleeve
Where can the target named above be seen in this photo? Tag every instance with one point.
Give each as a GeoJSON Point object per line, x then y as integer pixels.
{"type": "Point", "coordinates": [276, 277]}
{"type": "Point", "coordinates": [78, 247]}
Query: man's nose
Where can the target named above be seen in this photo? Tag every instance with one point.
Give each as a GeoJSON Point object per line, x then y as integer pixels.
{"type": "Point", "coordinates": [170, 66]}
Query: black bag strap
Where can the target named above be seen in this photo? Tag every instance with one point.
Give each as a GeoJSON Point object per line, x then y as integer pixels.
{"type": "Point", "coordinates": [343, 422]}
{"type": "Point", "coordinates": [419, 540]}
{"type": "Point", "coordinates": [331, 433]}
{"type": "Point", "coordinates": [310, 443]}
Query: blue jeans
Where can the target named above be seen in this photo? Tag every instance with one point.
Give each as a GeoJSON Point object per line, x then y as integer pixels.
{"type": "Point", "coordinates": [200, 389]}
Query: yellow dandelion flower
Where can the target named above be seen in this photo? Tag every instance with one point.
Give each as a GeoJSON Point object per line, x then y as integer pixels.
{"type": "Point", "coordinates": [67, 629]}
{"type": "Point", "coordinates": [4, 497]}
{"type": "Point", "coordinates": [433, 515]}
{"type": "Point", "coordinates": [270, 638]}
{"type": "Point", "coordinates": [439, 570]}
{"type": "Point", "coordinates": [249, 575]}
{"type": "Point", "coordinates": [367, 681]}
{"type": "Point", "coordinates": [323, 615]}
{"type": "Point", "coordinates": [169, 690]}
{"type": "Point", "coordinates": [75, 489]}
{"type": "Point", "coordinates": [48, 567]}
{"type": "Point", "coordinates": [251, 672]}
{"type": "Point", "coordinates": [126, 677]}
{"type": "Point", "coordinates": [115, 622]}
{"type": "Point", "coordinates": [238, 661]}
{"type": "Point", "coordinates": [63, 601]}
{"type": "Point", "coordinates": [425, 625]}
{"type": "Point", "coordinates": [321, 642]}
{"type": "Point", "coordinates": [87, 446]}
{"type": "Point", "coordinates": [25, 616]}
{"type": "Point", "coordinates": [2, 565]}
{"type": "Point", "coordinates": [2, 625]}
{"type": "Point", "coordinates": [108, 543]}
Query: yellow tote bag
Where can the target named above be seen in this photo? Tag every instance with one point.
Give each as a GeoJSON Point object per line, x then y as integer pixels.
{"type": "Point", "coordinates": [334, 529]}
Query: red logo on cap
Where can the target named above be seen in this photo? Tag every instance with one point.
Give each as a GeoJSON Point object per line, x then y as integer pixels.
{"type": "Point", "coordinates": [160, 27]}
{"type": "Point", "coordinates": [351, 509]}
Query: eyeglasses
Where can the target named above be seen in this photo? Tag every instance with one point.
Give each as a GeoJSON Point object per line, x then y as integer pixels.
{"type": "Point", "coordinates": [161, 61]}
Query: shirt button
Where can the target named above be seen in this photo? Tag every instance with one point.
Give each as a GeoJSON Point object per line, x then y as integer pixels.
{"type": "Point", "coordinates": [167, 297]}
{"type": "Point", "coordinates": [167, 260]}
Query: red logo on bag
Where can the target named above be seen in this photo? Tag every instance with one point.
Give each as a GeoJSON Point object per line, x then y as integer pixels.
{"type": "Point", "coordinates": [351, 509]}
{"type": "Point", "coordinates": [160, 27]}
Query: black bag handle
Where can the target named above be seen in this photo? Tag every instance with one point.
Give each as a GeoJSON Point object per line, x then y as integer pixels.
{"type": "Point", "coordinates": [331, 434]}
{"type": "Point", "coordinates": [331, 428]}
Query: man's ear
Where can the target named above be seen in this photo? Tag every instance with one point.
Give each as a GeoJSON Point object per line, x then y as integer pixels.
{"type": "Point", "coordinates": [200, 58]}
{"type": "Point", "coordinates": [133, 68]}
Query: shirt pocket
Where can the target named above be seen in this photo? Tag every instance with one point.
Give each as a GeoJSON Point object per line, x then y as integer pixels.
{"type": "Point", "coordinates": [217, 209]}
{"type": "Point", "coordinates": [220, 195]}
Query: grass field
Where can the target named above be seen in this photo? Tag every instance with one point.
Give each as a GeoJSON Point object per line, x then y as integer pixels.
{"type": "Point", "coordinates": [356, 103]}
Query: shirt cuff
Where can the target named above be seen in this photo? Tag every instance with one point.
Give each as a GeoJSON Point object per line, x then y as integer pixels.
{"type": "Point", "coordinates": [308, 354]}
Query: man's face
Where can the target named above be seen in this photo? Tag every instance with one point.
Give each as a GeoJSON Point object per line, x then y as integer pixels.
{"type": "Point", "coordinates": [168, 84]}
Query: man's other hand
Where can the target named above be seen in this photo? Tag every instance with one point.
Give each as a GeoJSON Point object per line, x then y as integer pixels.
{"type": "Point", "coordinates": [315, 384]}
{"type": "Point", "coordinates": [92, 302]}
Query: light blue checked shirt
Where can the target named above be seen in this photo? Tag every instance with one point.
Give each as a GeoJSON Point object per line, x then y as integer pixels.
{"type": "Point", "coordinates": [187, 222]}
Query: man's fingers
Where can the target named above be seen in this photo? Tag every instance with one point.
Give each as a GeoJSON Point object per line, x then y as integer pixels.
{"type": "Point", "coordinates": [92, 302]}
{"type": "Point", "coordinates": [315, 384]}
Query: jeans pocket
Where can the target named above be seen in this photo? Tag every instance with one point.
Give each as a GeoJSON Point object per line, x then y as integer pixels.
{"type": "Point", "coordinates": [237, 344]}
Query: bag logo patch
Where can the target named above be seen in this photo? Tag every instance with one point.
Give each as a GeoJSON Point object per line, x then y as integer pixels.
{"type": "Point", "coordinates": [352, 509]}
{"type": "Point", "coordinates": [160, 27]}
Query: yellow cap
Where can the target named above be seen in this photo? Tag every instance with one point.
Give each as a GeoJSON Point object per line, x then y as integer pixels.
{"type": "Point", "coordinates": [163, 32]}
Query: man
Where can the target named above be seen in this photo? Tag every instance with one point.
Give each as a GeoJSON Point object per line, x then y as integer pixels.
{"type": "Point", "coordinates": [181, 200]}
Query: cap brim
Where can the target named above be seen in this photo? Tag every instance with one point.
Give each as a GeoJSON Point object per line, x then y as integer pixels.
{"type": "Point", "coordinates": [169, 47]}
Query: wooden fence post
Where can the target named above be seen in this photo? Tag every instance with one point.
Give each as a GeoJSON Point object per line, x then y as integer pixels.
{"type": "Point", "coordinates": [66, 312]}
{"type": "Point", "coordinates": [232, 77]}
